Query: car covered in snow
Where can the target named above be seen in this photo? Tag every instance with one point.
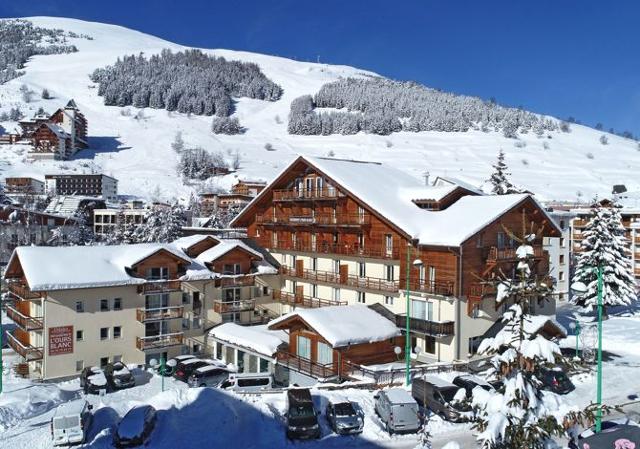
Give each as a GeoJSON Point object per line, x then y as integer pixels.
{"type": "Point", "coordinates": [442, 398]}
{"type": "Point", "coordinates": [302, 418]}
{"type": "Point", "coordinates": [555, 380]}
{"type": "Point", "coordinates": [70, 423]}
{"type": "Point", "coordinates": [119, 376]}
{"type": "Point", "coordinates": [135, 427]}
{"type": "Point", "coordinates": [614, 434]}
{"type": "Point", "coordinates": [343, 418]}
{"type": "Point", "coordinates": [398, 411]}
{"type": "Point", "coordinates": [93, 379]}
{"type": "Point", "coordinates": [469, 382]}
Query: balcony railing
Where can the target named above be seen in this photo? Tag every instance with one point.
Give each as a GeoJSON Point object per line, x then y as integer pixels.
{"type": "Point", "coordinates": [220, 306]}
{"type": "Point", "coordinates": [26, 322]}
{"type": "Point", "coordinates": [351, 280]}
{"type": "Point", "coordinates": [495, 254]}
{"type": "Point", "coordinates": [372, 250]}
{"type": "Point", "coordinates": [443, 288]}
{"type": "Point", "coordinates": [435, 328]}
{"type": "Point", "coordinates": [294, 299]}
{"type": "Point", "coordinates": [161, 286]}
{"type": "Point", "coordinates": [25, 350]}
{"type": "Point", "coordinates": [159, 313]}
{"type": "Point", "coordinates": [23, 291]}
{"type": "Point", "coordinates": [306, 194]}
{"type": "Point", "coordinates": [317, 220]}
{"type": "Point", "coordinates": [306, 366]}
{"type": "Point", "coordinates": [159, 341]}
{"type": "Point", "coordinates": [236, 281]}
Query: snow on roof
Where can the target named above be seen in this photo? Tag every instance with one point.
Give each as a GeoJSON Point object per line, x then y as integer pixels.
{"type": "Point", "coordinates": [60, 268]}
{"type": "Point", "coordinates": [399, 396]}
{"type": "Point", "coordinates": [437, 381]}
{"type": "Point", "coordinates": [345, 325]}
{"type": "Point", "coordinates": [256, 338]}
{"type": "Point", "coordinates": [187, 242]}
{"type": "Point", "coordinates": [536, 322]}
{"type": "Point", "coordinates": [67, 205]}
{"type": "Point", "coordinates": [223, 248]}
{"type": "Point", "coordinates": [57, 130]}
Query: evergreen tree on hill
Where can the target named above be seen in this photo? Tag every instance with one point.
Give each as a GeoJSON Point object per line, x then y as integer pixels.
{"type": "Point", "coordinates": [501, 185]}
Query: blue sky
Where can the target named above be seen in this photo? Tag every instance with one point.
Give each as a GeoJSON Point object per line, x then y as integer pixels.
{"type": "Point", "coordinates": [565, 58]}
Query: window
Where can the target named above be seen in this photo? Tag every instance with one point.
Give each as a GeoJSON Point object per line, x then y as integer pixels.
{"type": "Point", "coordinates": [303, 347]}
{"type": "Point", "coordinates": [79, 335]}
{"type": "Point", "coordinates": [196, 323]}
{"type": "Point", "coordinates": [562, 224]}
{"type": "Point", "coordinates": [562, 242]}
{"type": "Point", "coordinates": [335, 294]}
{"type": "Point", "coordinates": [104, 305]}
{"type": "Point", "coordinates": [561, 258]}
{"type": "Point", "coordinates": [361, 240]}
{"type": "Point", "coordinates": [561, 276]}
{"type": "Point", "coordinates": [264, 365]}
{"type": "Point", "coordinates": [186, 324]}
{"type": "Point", "coordinates": [117, 304]}
{"type": "Point", "coordinates": [388, 243]}
{"type": "Point", "coordinates": [117, 331]}
{"type": "Point", "coordinates": [480, 241]}
{"type": "Point", "coordinates": [325, 354]}
{"type": "Point", "coordinates": [474, 342]}
{"type": "Point", "coordinates": [253, 363]}
{"type": "Point", "coordinates": [430, 344]}
{"type": "Point", "coordinates": [240, 361]}
{"type": "Point", "coordinates": [79, 306]}
{"type": "Point", "coordinates": [362, 269]}
{"type": "Point", "coordinates": [361, 215]}
{"type": "Point", "coordinates": [230, 355]}
{"type": "Point", "coordinates": [388, 272]}
{"type": "Point", "coordinates": [314, 263]}
{"type": "Point", "coordinates": [186, 298]}
{"type": "Point", "coordinates": [336, 266]}
{"type": "Point", "coordinates": [104, 361]}
{"type": "Point", "coordinates": [219, 349]}
{"type": "Point", "coordinates": [232, 294]}
{"type": "Point", "coordinates": [104, 333]}
{"type": "Point", "coordinates": [432, 276]}
{"type": "Point", "coordinates": [362, 297]}
{"type": "Point", "coordinates": [157, 273]}
{"type": "Point", "coordinates": [79, 365]}
{"type": "Point", "coordinates": [117, 358]}
{"type": "Point", "coordinates": [422, 310]}
{"type": "Point", "coordinates": [233, 268]}
{"type": "Point", "coordinates": [258, 382]}
{"type": "Point", "coordinates": [314, 290]}
{"type": "Point", "coordinates": [313, 241]}
{"type": "Point", "coordinates": [335, 234]}
{"type": "Point", "coordinates": [388, 300]}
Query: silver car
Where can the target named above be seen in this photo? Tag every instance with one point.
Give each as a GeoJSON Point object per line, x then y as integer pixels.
{"type": "Point", "coordinates": [343, 418]}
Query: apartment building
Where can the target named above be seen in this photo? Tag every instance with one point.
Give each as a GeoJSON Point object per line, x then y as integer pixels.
{"type": "Point", "coordinates": [247, 187]}
{"type": "Point", "coordinates": [347, 232]}
{"type": "Point", "coordinates": [560, 254]}
{"type": "Point", "coordinates": [90, 305]}
{"type": "Point", "coordinates": [211, 202]}
{"type": "Point", "coordinates": [23, 186]}
{"type": "Point", "coordinates": [83, 184]}
{"type": "Point", "coordinates": [106, 220]}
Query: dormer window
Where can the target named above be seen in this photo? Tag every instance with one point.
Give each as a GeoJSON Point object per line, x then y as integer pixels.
{"type": "Point", "coordinates": [157, 273]}
{"type": "Point", "coordinates": [233, 268]}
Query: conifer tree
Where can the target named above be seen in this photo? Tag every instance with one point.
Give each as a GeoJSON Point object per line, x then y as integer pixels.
{"type": "Point", "coordinates": [501, 185]}
{"type": "Point", "coordinates": [163, 225]}
{"type": "Point", "coordinates": [604, 244]}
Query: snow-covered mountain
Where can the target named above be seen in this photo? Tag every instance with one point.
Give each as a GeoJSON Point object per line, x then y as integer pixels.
{"type": "Point", "coordinates": [567, 166]}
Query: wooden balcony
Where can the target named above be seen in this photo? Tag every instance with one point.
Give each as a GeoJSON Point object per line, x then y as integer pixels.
{"type": "Point", "coordinates": [159, 341]}
{"type": "Point", "coordinates": [236, 281]}
{"type": "Point", "coordinates": [434, 328]}
{"type": "Point", "coordinates": [22, 291]}
{"type": "Point", "coordinates": [27, 323]}
{"type": "Point", "coordinates": [443, 288]}
{"type": "Point", "coordinates": [160, 286]}
{"type": "Point", "coordinates": [233, 306]}
{"type": "Point", "coordinates": [374, 250]}
{"type": "Point", "coordinates": [293, 299]}
{"type": "Point", "coordinates": [25, 350]}
{"type": "Point", "coordinates": [306, 366]}
{"type": "Point", "coordinates": [351, 280]}
{"type": "Point", "coordinates": [306, 194]}
{"type": "Point", "coordinates": [495, 254]}
{"type": "Point", "coordinates": [580, 223]}
{"type": "Point", "coordinates": [339, 220]}
{"type": "Point", "coordinates": [160, 313]}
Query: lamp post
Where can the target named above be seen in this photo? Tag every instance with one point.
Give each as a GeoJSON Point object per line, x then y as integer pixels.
{"type": "Point", "coordinates": [580, 287]}
{"type": "Point", "coordinates": [575, 326]}
{"type": "Point", "coordinates": [162, 367]}
{"type": "Point", "coordinates": [407, 338]}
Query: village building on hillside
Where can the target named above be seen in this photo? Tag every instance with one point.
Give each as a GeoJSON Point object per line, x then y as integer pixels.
{"type": "Point", "coordinates": [247, 187]}
{"type": "Point", "coordinates": [348, 232]}
{"type": "Point", "coordinates": [210, 203]}
{"type": "Point", "coordinates": [98, 185]}
{"type": "Point", "coordinates": [23, 186]}
{"type": "Point", "coordinates": [105, 221]}
{"type": "Point", "coordinates": [90, 305]}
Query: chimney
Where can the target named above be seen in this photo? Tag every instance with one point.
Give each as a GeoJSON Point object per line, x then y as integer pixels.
{"type": "Point", "coordinates": [426, 178]}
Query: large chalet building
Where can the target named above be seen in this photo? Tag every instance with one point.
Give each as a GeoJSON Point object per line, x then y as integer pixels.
{"type": "Point", "coordinates": [347, 232]}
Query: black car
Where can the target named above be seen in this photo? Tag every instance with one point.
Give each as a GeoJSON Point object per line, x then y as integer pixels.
{"type": "Point", "coordinates": [135, 427]}
{"type": "Point", "coordinates": [185, 368]}
{"type": "Point", "coordinates": [555, 381]}
{"type": "Point", "coordinates": [119, 376]}
{"type": "Point", "coordinates": [469, 382]}
{"type": "Point", "coordinates": [302, 418]}
{"type": "Point", "coordinates": [343, 418]}
{"type": "Point", "coordinates": [93, 379]}
{"type": "Point", "coordinates": [610, 433]}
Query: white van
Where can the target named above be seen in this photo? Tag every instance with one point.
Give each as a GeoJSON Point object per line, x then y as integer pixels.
{"type": "Point", "coordinates": [248, 382]}
{"type": "Point", "coordinates": [70, 423]}
{"type": "Point", "coordinates": [397, 410]}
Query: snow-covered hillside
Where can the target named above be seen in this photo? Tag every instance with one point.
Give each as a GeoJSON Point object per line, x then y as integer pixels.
{"type": "Point", "coordinates": [569, 166]}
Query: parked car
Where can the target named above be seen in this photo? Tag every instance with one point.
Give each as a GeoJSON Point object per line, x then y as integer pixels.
{"type": "Point", "coordinates": [168, 369]}
{"type": "Point", "coordinates": [248, 382]}
{"type": "Point", "coordinates": [555, 380]}
{"type": "Point", "coordinates": [397, 410]}
{"type": "Point", "coordinates": [302, 418]}
{"type": "Point", "coordinates": [469, 382]}
{"type": "Point", "coordinates": [185, 368]}
{"type": "Point", "coordinates": [93, 379]}
{"type": "Point", "coordinates": [135, 427]}
{"type": "Point", "coordinates": [70, 423]}
{"type": "Point", "coordinates": [208, 376]}
{"type": "Point", "coordinates": [441, 397]}
{"type": "Point", "coordinates": [611, 432]}
{"type": "Point", "coordinates": [119, 376]}
{"type": "Point", "coordinates": [343, 418]}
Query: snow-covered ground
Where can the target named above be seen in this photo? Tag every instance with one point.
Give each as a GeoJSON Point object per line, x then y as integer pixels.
{"type": "Point", "coordinates": [568, 166]}
{"type": "Point", "coordinates": [213, 418]}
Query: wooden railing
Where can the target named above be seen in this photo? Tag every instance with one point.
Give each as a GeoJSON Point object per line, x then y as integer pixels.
{"type": "Point", "coordinates": [318, 220]}
{"type": "Point", "coordinates": [25, 350]}
{"type": "Point", "coordinates": [23, 291]}
{"type": "Point", "coordinates": [159, 313]}
{"type": "Point", "coordinates": [306, 194]}
{"type": "Point", "coordinates": [161, 286]}
{"type": "Point", "coordinates": [159, 341]}
{"type": "Point", "coordinates": [372, 283]}
{"type": "Point", "coordinates": [494, 253]}
{"type": "Point", "coordinates": [220, 306]}
{"type": "Point", "coordinates": [398, 375]}
{"type": "Point", "coordinates": [236, 281]}
{"type": "Point", "coordinates": [374, 250]}
{"type": "Point", "coordinates": [293, 299]}
{"type": "Point", "coordinates": [351, 280]}
{"type": "Point", "coordinates": [28, 323]}
{"type": "Point", "coordinates": [306, 366]}
{"type": "Point", "coordinates": [443, 288]}
{"type": "Point", "coordinates": [425, 326]}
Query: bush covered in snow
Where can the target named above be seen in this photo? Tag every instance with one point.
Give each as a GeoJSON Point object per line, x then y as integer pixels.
{"type": "Point", "coordinates": [381, 106]}
{"type": "Point", "coordinates": [226, 125]}
{"type": "Point", "coordinates": [21, 40]}
{"type": "Point", "coordinates": [197, 163]}
{"type": "Point", "coordinates": [188, 82]}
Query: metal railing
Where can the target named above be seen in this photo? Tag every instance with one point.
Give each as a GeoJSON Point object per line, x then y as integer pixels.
{"type": "Point", "coordinates": [159, 341]}
{"type": "Point", "coordinates": [306, 194]}
{"type": "Point", "coordinates": [25, 350]}
{"type": "Point", "coordinates": [220, 306]}
{"type": "Point", "coordinates": [26, 322]}
{"type": "Point", "coordinates": [352, 280]}
{"type": "Point", "coordinates": [160, 286]}
{"type": "Point", "coordinates": [419, 325]}
{"type": "Point", "coordinates": [159, 313]}
{"type": "Point", "coordinates": [306, 366]}
{"type": "Point", "coordinates": [294, 299]}
{"type": "Point", "coordinates": [397, 375]}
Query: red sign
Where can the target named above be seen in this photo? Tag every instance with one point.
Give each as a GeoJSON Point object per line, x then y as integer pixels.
{"type": "Point", "coordinates": [60, 340]}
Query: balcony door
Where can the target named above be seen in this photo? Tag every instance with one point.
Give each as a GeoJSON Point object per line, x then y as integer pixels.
{"type": "Point", "coordinates": [388, 244]}
{"type": "Point", "coordinates": [156, 328]}
{"type": "Point", "coordinates": [422, 310]}
{"type": "Point", "coordinates": [303, 347]}
{"type": "Point", "coordinates": [156, 301]}
{"type": "Point", "coordinates": [325, 354]}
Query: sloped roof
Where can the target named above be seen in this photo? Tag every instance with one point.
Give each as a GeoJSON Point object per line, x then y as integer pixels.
{"type": "Point", "coordinates": [187, 242]}
{"type": "Point", "coordinates": [256, 338]}
{"type": "Point", "coordinates": [223, 248]}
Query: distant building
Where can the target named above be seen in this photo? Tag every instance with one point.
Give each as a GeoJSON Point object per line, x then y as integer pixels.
{"type": "Point", "coordinates": [559, 249]}
{"type": "Point", "coordinates": [85, 185]}
{"type": "Point", "coordinates": [24, 185]}
{"type": "Point", "coordinates": [106, 220]}
{"type": "Point", "coordinates": [70, 206]}
{"type": "Point", "coordinates": [250, 188]}
{"type": "Point", "coordinates": [211, 202]}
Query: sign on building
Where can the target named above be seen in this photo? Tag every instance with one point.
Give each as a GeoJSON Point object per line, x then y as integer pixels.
{"type": "Point", "coordinates": [60, 340]}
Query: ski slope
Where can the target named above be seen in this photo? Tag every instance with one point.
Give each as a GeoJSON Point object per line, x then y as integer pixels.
{"type": "Point", "coordinates": [574, 166]}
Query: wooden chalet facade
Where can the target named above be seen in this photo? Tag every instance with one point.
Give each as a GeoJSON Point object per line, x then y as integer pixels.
{"type": "Point", "coordinates": [344, 232]}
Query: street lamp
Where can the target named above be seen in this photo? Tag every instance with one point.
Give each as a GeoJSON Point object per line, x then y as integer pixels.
{"type": "Point", "coordinates": [407, 338]}
{"type": "Point", "coordinates": [162, 366]}
{"type": "Point", "coordinates": [580, 288]}
{"type": "Point", "coordinates": [575, 327]}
